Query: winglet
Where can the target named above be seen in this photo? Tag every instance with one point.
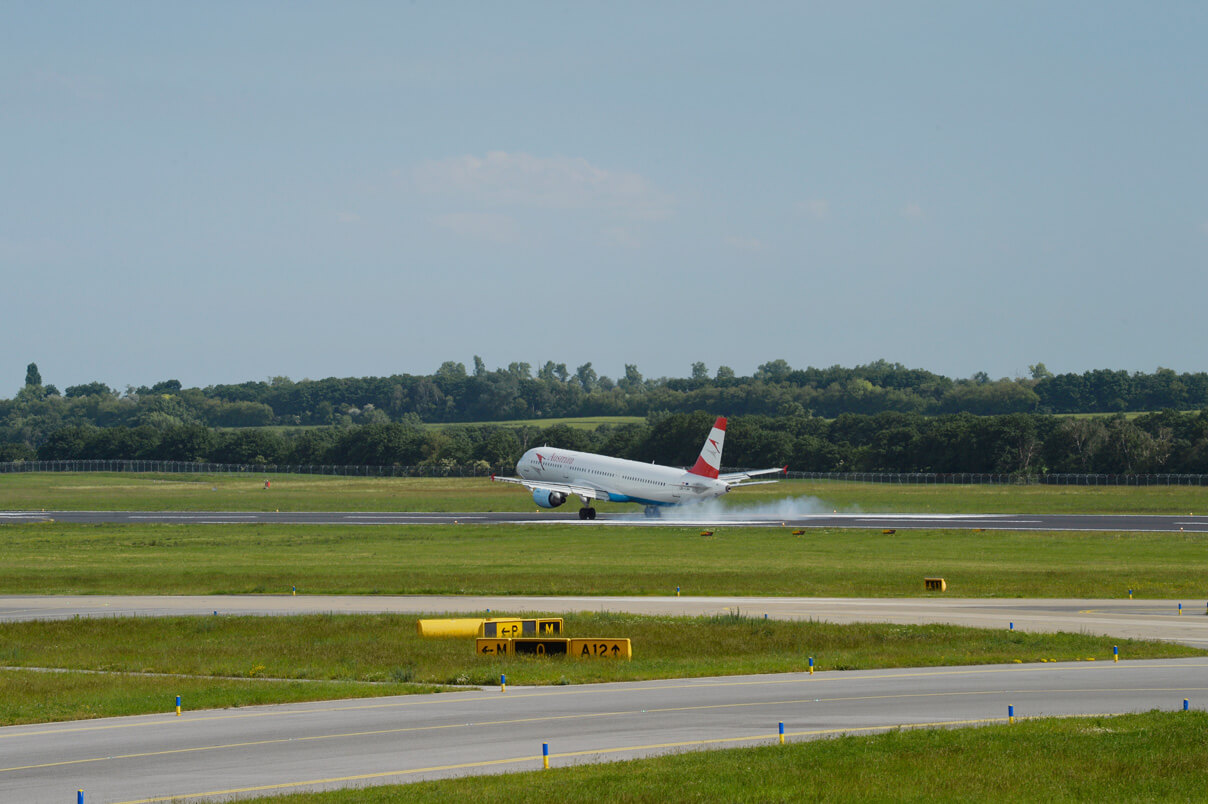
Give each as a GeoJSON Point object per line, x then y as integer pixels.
{"type": "Point", "coordinates": [709, 462]}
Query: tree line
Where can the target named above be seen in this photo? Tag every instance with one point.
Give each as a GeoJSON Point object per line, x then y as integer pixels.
{"type": "Point", "coordinates": [453, 394]}
{"type": "Point", "coordinates": [1023, 443]}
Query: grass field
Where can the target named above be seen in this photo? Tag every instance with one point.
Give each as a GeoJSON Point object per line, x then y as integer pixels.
{"type": "Point", "coordinates": [1156, 756]}
{"type": "Point", "coordinates": [577, 422]}
{"type": "Point", "coordinates": [28, 696]}
{"type": "Point", "coordinates": [55, 558]}
{"type": "Point", "coordinates": [220, 659]}
{"type": "Point", "coordinates": [100, 491]}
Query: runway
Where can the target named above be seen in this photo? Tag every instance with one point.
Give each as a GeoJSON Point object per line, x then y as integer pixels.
{"type": "Point", "coordinates": [347, 743]}
{"type": "Point", "coordinates": [672, 518]}
{"type": "Point", "coordinates": [1121, 618]}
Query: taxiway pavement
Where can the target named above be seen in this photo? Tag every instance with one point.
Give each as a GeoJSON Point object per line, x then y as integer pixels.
{"type": "Point", "coordinates": [1123, 618]}
{"type": "Point", "coordinates": [283, 748]}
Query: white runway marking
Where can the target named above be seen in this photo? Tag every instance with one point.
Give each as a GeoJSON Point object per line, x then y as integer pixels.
{"type": "Point", "coordinates": [977, 517]}
{"type": "Point", "coordinates": [208, 518]}
{"type": "Point", "coordinates": [402, 516]}
{"type": "Point", "coordinates": [642, 521]}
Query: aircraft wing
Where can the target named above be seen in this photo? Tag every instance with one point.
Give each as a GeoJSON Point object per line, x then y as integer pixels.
{"type": "Point", "coordinates": [582, 491]}
{"type": "Point", "coordinates": [736, 478]}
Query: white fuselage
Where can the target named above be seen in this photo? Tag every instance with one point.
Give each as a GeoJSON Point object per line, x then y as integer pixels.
{"type": "Point", "coordinates": [624, 481]}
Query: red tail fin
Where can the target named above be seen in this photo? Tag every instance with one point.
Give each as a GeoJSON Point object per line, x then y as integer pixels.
{"type": "Point", "coordinates": [709, 462]}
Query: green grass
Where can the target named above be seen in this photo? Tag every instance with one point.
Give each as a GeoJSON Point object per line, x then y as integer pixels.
{"type": "Point", "coordinates": [216, 651]}
{"type": "Point", "coordinates": [577, 422]}
{"type": "Point", "coordinates": [1155, 756]}
{"type": "Point", "coordinates": [41, 697]}
{"type": "Point", "coordinates": [105, 491]}
{"type": "Point", "coordinates": [100, 491]}
{"type": "Point", "coordinates": [1128, 414]}
{"type": "Point", "coordinates": [996, 499]}
{"type": "Point", "coordinates": [56, 558]}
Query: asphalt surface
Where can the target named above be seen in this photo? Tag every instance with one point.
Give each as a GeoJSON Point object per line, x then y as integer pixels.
{"type": "Point", "coordinates": [284, 748]}
{"type": "Point", "coordinates": [1123, 618]}
{"type": "Point", "coordinates": [671, 518]}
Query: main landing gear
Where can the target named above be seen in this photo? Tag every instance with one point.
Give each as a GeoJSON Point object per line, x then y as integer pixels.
{"type": "Point", "coordinates": [652, 512]}
{"type": "Point", "coordinates": [587, 513]}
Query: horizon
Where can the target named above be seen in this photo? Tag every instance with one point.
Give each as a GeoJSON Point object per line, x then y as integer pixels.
{"type": "Point", "coordinates": [126, 388]}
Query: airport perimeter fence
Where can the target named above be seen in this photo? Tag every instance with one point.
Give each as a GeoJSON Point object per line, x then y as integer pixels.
{"type": "Point", "coordinates": [911, 478]}
{"type": "Point", "coordinates": [973, 478]}
{"type": "Point", "coordinates": [183, 467]}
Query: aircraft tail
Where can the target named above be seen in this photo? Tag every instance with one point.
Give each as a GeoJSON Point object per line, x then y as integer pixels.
{"type": "Point", "coordinates": [709, 462]}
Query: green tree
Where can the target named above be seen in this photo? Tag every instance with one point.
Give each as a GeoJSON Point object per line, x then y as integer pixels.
{"type": "Point", "coordinates": [565, 437]}
{"type": "Point", "coordinates": [17, 452]}
{"type": "Point", "coordinates": [65, 444]}
{"type": "Point", "coordinates": [773, 371]}
{"type": "Point", "coordinates": [187, 442]}
{"type": "Point", "coordinates": [32, 375]}
{"type": "Point", "coordinates": [88, 389]}
{"type": "Point", "coordinates": [586, 376]}
{"type": "Point", "coordinates": [249, 446]}
{"type": "Point", "coordinates": [501, 449]}
{"type": "Point", "coordinates": [632, 381]}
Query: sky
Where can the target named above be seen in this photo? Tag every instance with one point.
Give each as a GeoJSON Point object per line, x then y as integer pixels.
{"type": "Point", "coordinates": [222, 192]}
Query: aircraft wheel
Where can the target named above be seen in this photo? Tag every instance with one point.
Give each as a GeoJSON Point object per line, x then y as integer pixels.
{"type": "Point", "coordinates": [591, 513]}
{"type": "Point", "coordinates": [583, 513]}
{"type": "Point", "coordinates": [652, 511]}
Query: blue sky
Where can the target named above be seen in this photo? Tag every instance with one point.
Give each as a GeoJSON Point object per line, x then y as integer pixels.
{"type": "Point", "coordinates": [225, 192]}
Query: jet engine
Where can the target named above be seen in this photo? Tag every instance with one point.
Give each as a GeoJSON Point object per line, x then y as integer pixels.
{"type": "Point", "coordinates": [548, 499]}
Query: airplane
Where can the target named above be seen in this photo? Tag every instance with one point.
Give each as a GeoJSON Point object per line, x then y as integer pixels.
{"type": "Point", "coordinates": [553, 475]}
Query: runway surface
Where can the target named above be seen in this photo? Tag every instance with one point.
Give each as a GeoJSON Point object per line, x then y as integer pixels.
{"type": "Point", "coordinates": [347, 743]}
{"type": "Point", "coordinates": [1137, 619]}
{"type": "Point", "coordinates": [671, 518]}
